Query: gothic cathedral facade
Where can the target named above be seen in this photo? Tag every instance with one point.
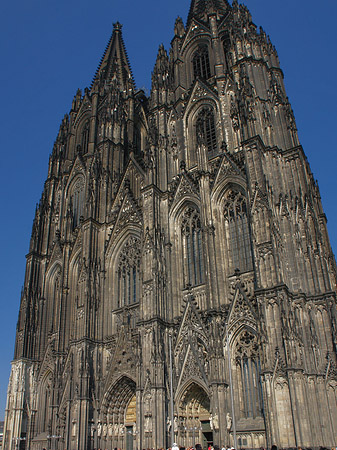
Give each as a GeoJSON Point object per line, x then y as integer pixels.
{"type": "Point", "coordinates": [180, 283]}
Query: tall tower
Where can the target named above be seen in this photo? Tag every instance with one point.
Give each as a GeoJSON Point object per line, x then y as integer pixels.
{"type": "Point", "coordinates": [183, 226]}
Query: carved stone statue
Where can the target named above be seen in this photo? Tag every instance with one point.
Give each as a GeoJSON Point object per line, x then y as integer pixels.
{"type": "Point", "coordinates": [168, 424]}
{"type": "Point", "coordinates": [99, 429]}
{"type": "Point", "coordinates": [73, 431]}
{"type": "Point", "coordinates": [215, 421]}
{"type": "Point", "coordinates": [110, 429]}
{"type": "Point", "coordinates": [148, 424]}
{"type": "Point", "coordinates": [228, 421]}
{"type": "Point", "coordinates": [105, 429]}
{"type": "Point", "coordinates": [176, 424]}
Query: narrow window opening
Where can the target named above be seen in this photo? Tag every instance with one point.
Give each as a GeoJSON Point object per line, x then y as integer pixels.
{"type": "Point", "coordinates": [206, 133]}
{"type": "Point", "coordinates": [192, 245]}
{"type": "Point", "coordinates": [238, 232]}
{"type": "Point", "coordinates": [201, 65]}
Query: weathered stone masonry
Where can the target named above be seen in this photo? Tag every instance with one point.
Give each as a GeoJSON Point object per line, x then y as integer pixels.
{"type": "Point", "coordinates": [190, 215]}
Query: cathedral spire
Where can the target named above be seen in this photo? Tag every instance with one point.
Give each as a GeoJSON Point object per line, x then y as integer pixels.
{"type": "Point", "coordinates": [115, 63]}
{"type": "Point", "coordinates": [200, 8]}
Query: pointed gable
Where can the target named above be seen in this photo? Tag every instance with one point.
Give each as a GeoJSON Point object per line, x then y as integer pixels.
{"type": "Point", "coordinates": [260, 199]}
{"type": "Point", "coordinates": [200, 92]}
{"type": "Point", "coordinates": [195, 29]}
{"type": "Point", "coordinates": [241, 311]}
{"type": "Point", "coordinates": [227, 169]}
{"type": "Point", "coordinates": [191, 346]}
{"type": "Point", "coordinates": [186, 187]}
{"type": "Point", "coordinates": [124, 356]}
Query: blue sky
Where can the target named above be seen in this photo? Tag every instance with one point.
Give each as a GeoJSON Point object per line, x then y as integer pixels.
{"type": "Point", "coordinates": [50, 48]}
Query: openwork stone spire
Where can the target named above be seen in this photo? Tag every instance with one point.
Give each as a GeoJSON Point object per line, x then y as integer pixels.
{"type": "Point", "coordinates": [115, 61]}
{"type": "Point", "coordinates": [200, 8]}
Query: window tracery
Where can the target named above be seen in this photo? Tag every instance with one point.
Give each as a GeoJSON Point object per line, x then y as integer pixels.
{"type": "Point", "coordinates": [128, 273]}
{"type": "Point", "coordinates": [193, 259]}
{"type": "Point", "coordinates": [201, 65]}
{"type": "Point", "coordinates": [77, 200]}
{"type": "Point", "coordinates": [248, 370]}
{"type": "Point", "coordinates": [206, 133]}
{"type": "Point", "coordinates": [56, 298]}
{"type": "Point", "coordinates": [85, 137]}
{"type": "Point", "coordinates": [237, 230]}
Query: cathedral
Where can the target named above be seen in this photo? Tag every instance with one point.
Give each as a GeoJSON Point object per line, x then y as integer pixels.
{"type": "Point", "coordinates": [180, 284]}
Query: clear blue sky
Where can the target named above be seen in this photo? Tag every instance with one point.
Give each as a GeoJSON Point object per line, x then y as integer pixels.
{"type": "Point", "coordinates": [50, 48]}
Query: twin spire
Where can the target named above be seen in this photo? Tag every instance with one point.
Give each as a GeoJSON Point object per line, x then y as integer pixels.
{"type": "Point", "coordinates": [115, 64]}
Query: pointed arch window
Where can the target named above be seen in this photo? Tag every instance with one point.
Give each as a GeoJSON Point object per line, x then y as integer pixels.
{"type": "Point", "coordinates": [238, 232]}
{"type": "Point", "coordinates": [85, 137]}
{"type": "Point", "coordinates": [193, 256]}
{"type": "Point", "coordinates": [56, 301]}
{"type": "Point", "coordinates": [201, 65]}
{"type": "Point", "coordinates": [138, 140]}
{"type": "Point", "coordinates": [128, 273]}
{"type": "Point", "coordinates": [77, 200]}
{"type": "Point", "coordinates": [247, 364]}
{"type": "Point", "coordinates": [206, 133]}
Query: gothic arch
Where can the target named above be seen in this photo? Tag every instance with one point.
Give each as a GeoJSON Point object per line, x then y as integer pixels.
{"type": "Point", "coordinates": [189, 52]}
{"type": "Point", "coordinates": [236, 329]}
{"type": "Point", "coordinates": [186, 233]}
{"type": "Point", "coordinates": [178, 206]}
{"type": "Point", "coordinates": [191, 386]}
{"type": "Point", "coordinates": [75, 195]}
{"type": "Point", "coordinates": [232, 181]}
{"type": "Point", "coordinates": [196, 104]}
{"type": "Point", "coordinates": [117, 398]}
{"type": "Point", "coordinates": [53, 271]}
{"type": "Point", "coordinates": [44, 402]}
{"type": "Point", "coordinates": [196, 107]}
{"type": "Point", "coordinates": [75, 303]}
{"type": "Point", "coordinates": [116, 241]}
{"type": "Point", "coordinates": [246, 370]}
{"type": "Point", "coordinates": [54, 293]}
{"type": "Point", "coordinates": [192, 410]}
{"type": "Point", "coordinates": [82, 130]}
{"type": "Point", "coordinates": [123, 284]}
{"type": "Point", "coordinates": [235, 227]}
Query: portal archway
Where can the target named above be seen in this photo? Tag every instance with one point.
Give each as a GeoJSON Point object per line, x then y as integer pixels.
{"type": "Point", "coordinates": [118, 424]}
{"type": "Point", "coordinates": [192, 421]}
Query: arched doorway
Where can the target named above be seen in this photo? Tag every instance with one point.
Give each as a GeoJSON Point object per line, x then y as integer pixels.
{"type": "Point", "coordinates": [118, 427]}
{"type": "Point", "coordinates": [192, 423]}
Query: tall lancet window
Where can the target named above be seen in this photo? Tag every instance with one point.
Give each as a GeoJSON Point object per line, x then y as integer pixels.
{"type": "Point", "coordinates": [238, 233]}
{"type": "Point", "coordinates": [56, 301]}
{"type": "Point", "coordinates": [206, 133]}
{"type": "Point", "coordinates": [85, 137]}
{"type": "Point", "coordinates": [247, 365]}
{"type": "Point", "coordinates": [201, 66]}
{"type": "Point", "coordinates": [192, 248]}
{"type": "Point", "coordinates": [128, 273]}
{"type": "Point", "coordinates": [77, 200]}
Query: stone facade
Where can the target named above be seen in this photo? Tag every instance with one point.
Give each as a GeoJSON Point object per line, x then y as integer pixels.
{"type": "Point", "coordinates": [186, 224]}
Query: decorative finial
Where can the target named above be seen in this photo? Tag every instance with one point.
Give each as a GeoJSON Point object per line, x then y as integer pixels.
{"type": "Point", "coordinates": [117, 26]}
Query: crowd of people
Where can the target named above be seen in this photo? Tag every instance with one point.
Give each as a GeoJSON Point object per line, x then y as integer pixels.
{"type": "Point", "coordinates": [215, 447]}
